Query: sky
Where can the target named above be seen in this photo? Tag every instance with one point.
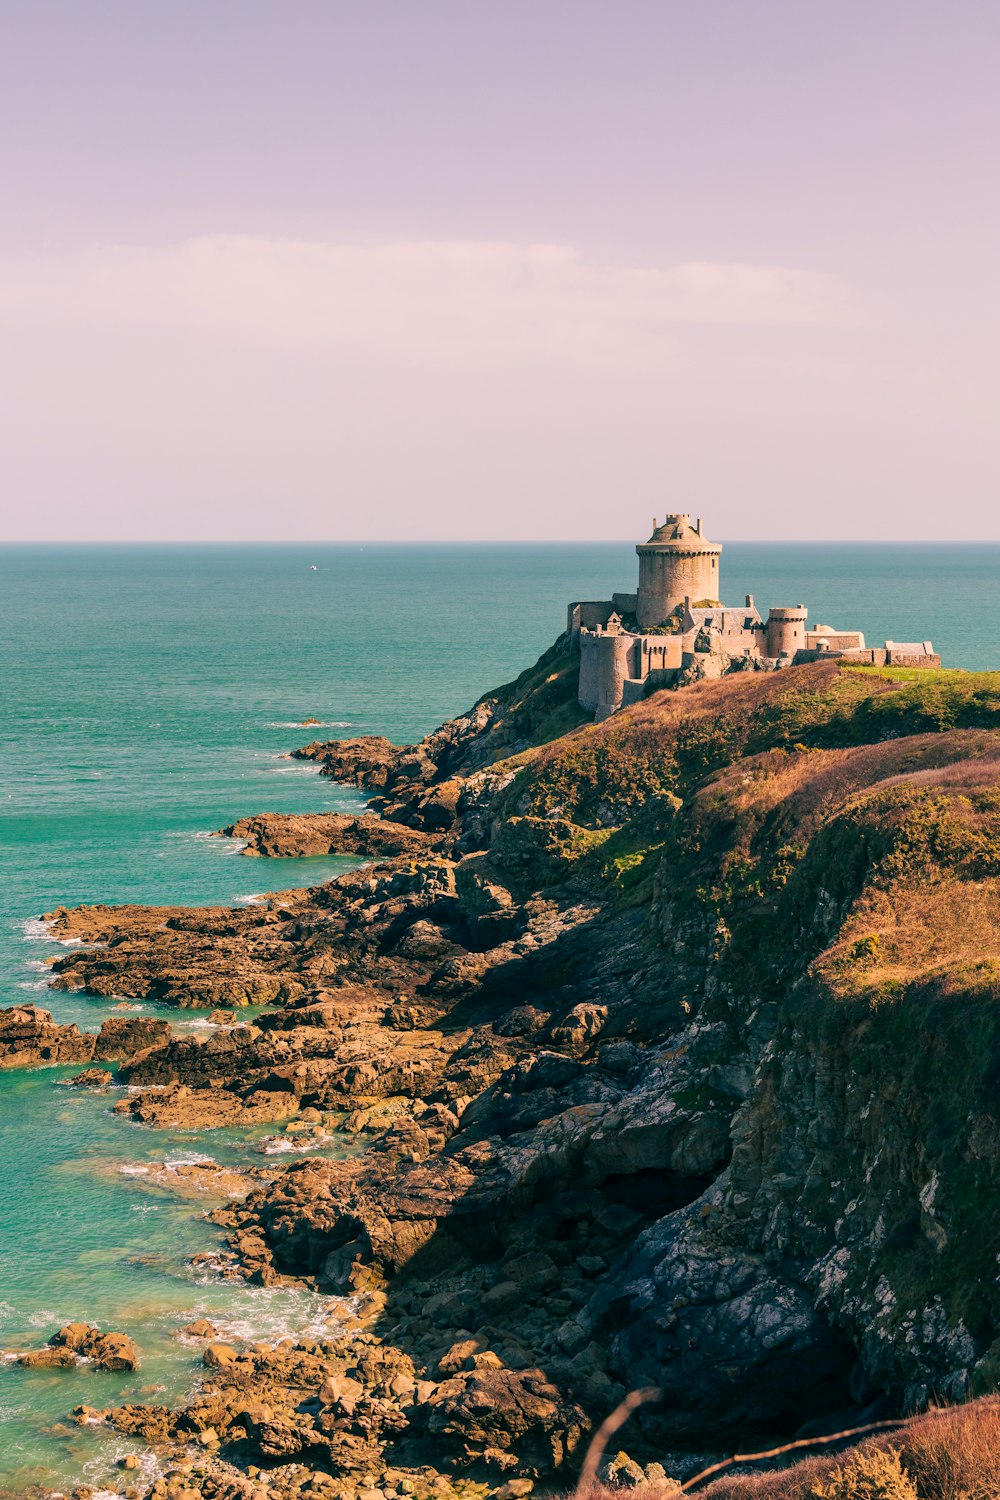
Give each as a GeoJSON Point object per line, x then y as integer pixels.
{"type": "Point", "coordinates": [498, 269]}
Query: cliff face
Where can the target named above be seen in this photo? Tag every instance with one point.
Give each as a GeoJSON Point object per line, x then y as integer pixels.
{"type": "Point", "coordinates": [676, 1055]}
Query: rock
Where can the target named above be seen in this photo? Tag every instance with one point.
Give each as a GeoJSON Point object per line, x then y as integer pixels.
{"type": "Point", "coordinates": [339, 1388]}
{"type": "Point", "coordinates": [531, 1271]}
{"type": "Point", "coordinates": [108, 1351]}
{"type": "Point", "coordinates": [217, 1356]}
{"type": "Point", "coordinates": [36, 1358]}
{"type": "Point", "coordinates": [201, 1328]}
{"type": "Point", "coordinates": [477, 1416]}
{"type": "Point", "coordinates": [623, 1472]}
{"type": "Point", "coordinates": [93, 1078]}
{"type": "Point", "coordinates": [30, 1038]}
{"type": "Point", "coordinates": [298, 835]}
{"type": "Point", "coordinates": [364, 761]}
{"type": "Point", "coordinates": [122, 1036]}
{"type": "Point", "coordinates": [201, 1179]}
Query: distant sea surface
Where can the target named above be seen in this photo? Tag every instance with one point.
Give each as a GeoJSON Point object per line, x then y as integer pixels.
{"type": "Point", "coordinates": [149, 695]}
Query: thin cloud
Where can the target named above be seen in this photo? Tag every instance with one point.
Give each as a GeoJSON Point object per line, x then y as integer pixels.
{"type": "Point", "coordinates": [433, 304]}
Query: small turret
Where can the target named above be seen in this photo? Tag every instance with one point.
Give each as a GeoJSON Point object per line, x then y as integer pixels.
{"type": "Point", "coordinates": [786, 629]}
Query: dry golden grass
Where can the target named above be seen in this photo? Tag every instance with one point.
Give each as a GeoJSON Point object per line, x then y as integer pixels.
{"type": "Point", "coordinates": [944, 933]}
{"type": "Point", "coordinates": [952, 1454]}
{"type": "Point", "coordinates": [809, 785]}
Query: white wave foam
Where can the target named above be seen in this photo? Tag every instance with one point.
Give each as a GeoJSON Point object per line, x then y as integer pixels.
{"type": "Point", "coordinates": [133, 1169]}
{"type": "Point", "coordinates": [34, 927]}
{"type": "Point", "coordinates": [256, 898]}
{"type": "Point", "coordinates": [284, 1145]}
{"type": "Point", "coordinates": [298, 724]}
{"type": "Point", "coordinates": [37, 931]}
{"type": "Point", "coordinates": [215, 1268]}
{"type": "Point", "coordinates": [189, 1159]}
{"type": "Point", "coordinates": [42, 1317]}
{"type": "Point", "coordinates": [150, 1467]}
{"type": "Point", "coordinates": [282, 1314]}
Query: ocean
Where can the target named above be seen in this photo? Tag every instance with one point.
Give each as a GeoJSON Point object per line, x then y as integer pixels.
{"type": "Point", "coordinates": [149, 696]}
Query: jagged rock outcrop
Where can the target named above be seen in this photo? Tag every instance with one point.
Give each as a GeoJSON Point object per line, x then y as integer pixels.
{"type": "Point", "coordinates": [30, 1038]}
{"type": "Point", "coordinates": [301, 835]}
{"type": "Point", "coordinates": [80, 1342]}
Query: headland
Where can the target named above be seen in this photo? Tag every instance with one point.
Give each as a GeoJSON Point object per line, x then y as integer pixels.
{"type": "Point", "coordinates": [668, 1044]}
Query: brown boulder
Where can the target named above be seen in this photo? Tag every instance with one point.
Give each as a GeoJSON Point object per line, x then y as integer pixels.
{"type": "Point", "coordinates": [109, 1351]}
{"type": "Point", "coordinates": [201, 1328]}
{"type": "Point", "coordinates": [366, 761]}
{"type": "Point", "coordinates": [38, 1358]}
{"type": "Point", "coordinates": [93, 1078]}
{"type": "Point", "coordinates": [29, 1037]}
{"type": "Point", "coordinates": [123, 1036]}
{"type": "Point", "coordinates": [504, 1418]}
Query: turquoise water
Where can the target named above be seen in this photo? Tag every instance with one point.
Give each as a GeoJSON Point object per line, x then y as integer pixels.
{"type": "Point", "coordinates": [148, 695]}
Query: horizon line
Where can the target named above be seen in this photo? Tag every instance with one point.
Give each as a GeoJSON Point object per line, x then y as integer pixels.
{"type": "Point", "coordinates": [265, 541]}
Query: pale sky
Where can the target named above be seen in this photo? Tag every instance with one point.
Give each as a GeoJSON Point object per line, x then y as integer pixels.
{"type": "Point", "coordinates": [422, 269]}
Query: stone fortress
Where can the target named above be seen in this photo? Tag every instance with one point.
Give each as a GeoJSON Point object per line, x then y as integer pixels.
{"type": "Point", "coordinates": [675, 630]}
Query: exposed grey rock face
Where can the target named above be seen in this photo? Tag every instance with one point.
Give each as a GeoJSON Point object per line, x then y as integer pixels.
{"type": "Point", "coordinates": [723, 1337]}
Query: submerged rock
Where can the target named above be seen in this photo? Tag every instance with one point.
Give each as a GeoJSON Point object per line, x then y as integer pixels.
{"type": "Point", "coordinates": [93, 1078]}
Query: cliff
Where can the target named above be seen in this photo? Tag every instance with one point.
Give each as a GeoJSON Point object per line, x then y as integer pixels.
{"type": "Point", "coordinates": [674, 1055]}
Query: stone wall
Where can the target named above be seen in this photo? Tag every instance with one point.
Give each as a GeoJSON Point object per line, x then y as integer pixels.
{"type": "Point", "coordinates": [587, 614]}
{"type": "Point", "coordinates": [660, 653]}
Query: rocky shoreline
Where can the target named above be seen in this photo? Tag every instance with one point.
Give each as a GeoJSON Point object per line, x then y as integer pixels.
{"type": "Point", "coordinates": [629, 1030]}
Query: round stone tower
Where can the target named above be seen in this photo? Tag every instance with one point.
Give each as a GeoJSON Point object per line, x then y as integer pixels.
{"type": "Point", "coordinates": [786, 629]}
{"type": "Point", "coordinates": [676, 563]}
